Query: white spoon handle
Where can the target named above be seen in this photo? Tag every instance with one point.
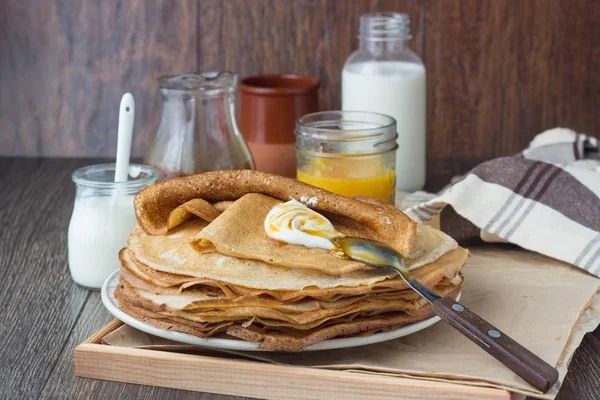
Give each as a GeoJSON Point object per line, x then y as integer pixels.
{"type": "Point", "coordinates": [125, 132]}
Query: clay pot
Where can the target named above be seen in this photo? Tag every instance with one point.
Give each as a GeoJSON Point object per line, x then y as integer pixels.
{"type": "Point", "coordinates": [268, 108]}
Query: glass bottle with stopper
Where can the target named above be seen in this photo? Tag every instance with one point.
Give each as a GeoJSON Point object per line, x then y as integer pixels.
{"type": "Point", "coordinates": [198, 131]}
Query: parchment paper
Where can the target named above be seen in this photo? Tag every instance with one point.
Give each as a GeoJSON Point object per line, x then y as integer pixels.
{"type": "Point", "coordinates": [544, 304]}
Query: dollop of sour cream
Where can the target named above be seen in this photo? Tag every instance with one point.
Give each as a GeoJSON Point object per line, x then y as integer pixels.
{"type": "Point", "coordinates": [295, 223]}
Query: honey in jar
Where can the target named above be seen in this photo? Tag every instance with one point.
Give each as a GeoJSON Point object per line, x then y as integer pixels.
{"type": "Point", "coordinates": [351, 153]}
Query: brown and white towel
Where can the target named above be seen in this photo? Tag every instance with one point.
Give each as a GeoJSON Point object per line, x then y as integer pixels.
{"type": "Point", "coordinates": [545, 199]}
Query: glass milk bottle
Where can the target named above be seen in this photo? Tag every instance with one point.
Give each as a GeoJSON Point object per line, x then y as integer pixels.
{"type": "Point", "coordinates": [387, 77]}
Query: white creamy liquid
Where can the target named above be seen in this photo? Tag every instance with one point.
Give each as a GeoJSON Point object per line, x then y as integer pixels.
{"type": "Point", "coordinates": [396, 89]}
{"type": "Point", "coordinates": [98, 230]}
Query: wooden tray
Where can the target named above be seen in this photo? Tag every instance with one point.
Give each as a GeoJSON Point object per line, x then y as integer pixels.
{"type": "Point", "coordinates": [255, 379]}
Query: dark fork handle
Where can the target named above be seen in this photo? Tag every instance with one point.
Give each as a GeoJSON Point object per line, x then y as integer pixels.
{"type": "Point", "coordinates": [521, 361]}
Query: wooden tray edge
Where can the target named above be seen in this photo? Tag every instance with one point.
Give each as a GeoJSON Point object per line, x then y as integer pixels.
{"type": "Point", "coordinates": [254, 379]}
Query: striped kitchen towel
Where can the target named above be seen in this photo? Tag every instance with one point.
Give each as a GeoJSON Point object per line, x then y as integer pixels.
{"type": "Point", "coordinates": [545, 199]}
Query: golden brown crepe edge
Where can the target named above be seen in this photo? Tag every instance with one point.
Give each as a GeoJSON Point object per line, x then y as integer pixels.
{"type": "Point", "coordinates": [154, 204]}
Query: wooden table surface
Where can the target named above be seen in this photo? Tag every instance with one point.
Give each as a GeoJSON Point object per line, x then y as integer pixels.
{"type": "Point", "coordinates": [44, 315]}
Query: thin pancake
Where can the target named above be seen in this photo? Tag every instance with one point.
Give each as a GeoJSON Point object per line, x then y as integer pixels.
{"type": "Point", "coordinates": [173, 254]}
{"type": "Point", "coordinates": [286, 339]}
{"type": "Point", "coordinates": [195, 305]}
{"type": "Point", "coordinates": [155, 204]}
{"type": "Point", "coordinates": [198, 207]}
{"type": "Point", "coordinates": [154, 256]}
{"type": "Point", "coordinates": [239, 232]}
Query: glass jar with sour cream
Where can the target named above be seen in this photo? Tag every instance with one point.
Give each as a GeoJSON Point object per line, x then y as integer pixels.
{"type": "Point", "coordinates": [352, 153]}
{"type": "Point", "coordinates": [103, 216]}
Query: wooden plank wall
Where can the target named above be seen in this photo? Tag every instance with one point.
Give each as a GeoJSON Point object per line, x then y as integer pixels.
{"type": "Point", "coordinates": [498, 71]}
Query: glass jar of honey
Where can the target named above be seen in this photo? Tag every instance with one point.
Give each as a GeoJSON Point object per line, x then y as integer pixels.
{"type": "Point", "coordinates": [352, 153]}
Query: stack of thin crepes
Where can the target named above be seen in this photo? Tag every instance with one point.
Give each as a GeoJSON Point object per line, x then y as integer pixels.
{"type": "Point", "coordinates": [200, 262]}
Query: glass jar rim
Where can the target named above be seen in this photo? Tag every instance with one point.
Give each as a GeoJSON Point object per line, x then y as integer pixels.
{"type": "Point", "coordinates": [204, 81]}
{"type": "Point", "coordinates": [82, 176]}
{"type": "Point", "coordinates": [346, 132]}
{"type": "Point", "coordinates": [315, 125]}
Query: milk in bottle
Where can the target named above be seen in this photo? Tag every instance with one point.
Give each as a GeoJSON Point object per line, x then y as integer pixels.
{"type": "Point", "coordinates": [385, 76]}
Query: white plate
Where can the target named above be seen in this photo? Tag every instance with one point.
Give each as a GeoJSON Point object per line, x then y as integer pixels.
{"type": "Point", "coordinates": [110, 302]}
